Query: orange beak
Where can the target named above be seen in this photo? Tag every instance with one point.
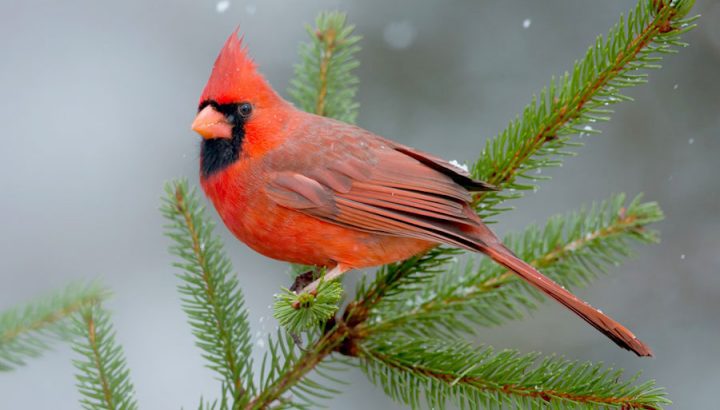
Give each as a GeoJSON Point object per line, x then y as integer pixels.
{"type": "Point", "coordinates": [211, 124]}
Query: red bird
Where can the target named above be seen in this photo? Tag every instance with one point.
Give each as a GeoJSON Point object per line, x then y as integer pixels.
{"type": "Point", "coordinates": [308, 189]}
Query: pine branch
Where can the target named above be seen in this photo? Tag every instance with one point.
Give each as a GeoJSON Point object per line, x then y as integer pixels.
{"type": "Point", "coordinates": [324, 83]}
{"type": "Point", "coordinates": [572, 104]}
{"type": "Point", "coordinates": [103, 379]}
{"type": "Point", "coordinates": [26, 332]}
{"type": "Point", "coordinates": [211, 294]}
{"type": "Point", "coordinates": [437, 372]}
{"type": "Point", "coordinates": [572, 249]}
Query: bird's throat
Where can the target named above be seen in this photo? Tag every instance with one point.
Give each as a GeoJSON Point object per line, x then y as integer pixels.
{"type": "Point", "coordinates": [219, 153]}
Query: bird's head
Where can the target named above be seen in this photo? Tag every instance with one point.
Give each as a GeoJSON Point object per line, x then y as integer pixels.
{"type": "Point", "coordinates": [237, 104]}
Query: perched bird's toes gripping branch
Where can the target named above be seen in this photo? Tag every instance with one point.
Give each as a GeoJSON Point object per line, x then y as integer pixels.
{"type": "Point", "coordinates": [332, 274]}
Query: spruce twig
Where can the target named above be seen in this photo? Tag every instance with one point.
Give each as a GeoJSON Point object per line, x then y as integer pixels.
{"type": "Point", "coordinates": [324, 83]}
{"type": "Point", "coordinates": [210, 292]}
{"type": "Point", "coordinates": [572, 104]}
{"type": "Point", "coordinates": [102, 379]}
{"type": "Point", "coordinates": [468, 377]}
{"type": "Point", "coordinates": [26, 332]}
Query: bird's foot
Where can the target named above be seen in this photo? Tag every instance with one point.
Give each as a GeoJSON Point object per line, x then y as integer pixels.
{"type": "Point", "coordinates": [332, 274]}
{"type": "Point", "coordinates": [302, 280]}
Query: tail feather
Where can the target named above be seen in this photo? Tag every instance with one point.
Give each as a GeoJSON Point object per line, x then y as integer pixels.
{"type": "Point", "coordinates": [606, 325]}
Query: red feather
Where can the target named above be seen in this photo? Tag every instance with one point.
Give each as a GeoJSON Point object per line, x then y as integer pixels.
{"type": "Point", "coordinates": [234, 77]}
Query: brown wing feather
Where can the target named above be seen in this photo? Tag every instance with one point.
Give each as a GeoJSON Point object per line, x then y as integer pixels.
{"type": "Point", "coordinates": [456, 173]}
{"type": "Point", "coordinates": [388, 192]}
{"type": "Point", "coordinates": [298, 191]}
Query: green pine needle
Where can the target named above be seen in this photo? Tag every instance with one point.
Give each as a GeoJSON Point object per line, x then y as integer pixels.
{"type": "Point", "coordinates": [26, 332]}
{"type": "Point", "coordinates": [574, 103]}
{"type": "Point", "coordinates": [298, 312]}
{"type": "Point", "coordinates": [211, 294]}
{"type": "Point", "coordinates": [437, 373]}
{"type": "Point", "coordinates": [573, 250]}
{"type": "Point", "coordinates": [221, 404]}
{"type": "Point", "coordinates": [102, 375]}
{"type": "Point", "coordinates": [324, 83]}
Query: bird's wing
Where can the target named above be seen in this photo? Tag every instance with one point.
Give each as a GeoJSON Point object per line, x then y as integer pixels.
{"type": "Point", "coordinates": [374, 185]}
{"type": "Point", "coordinates": [370, 184]}
{"type": "Point", "coordinates": [457, 174]}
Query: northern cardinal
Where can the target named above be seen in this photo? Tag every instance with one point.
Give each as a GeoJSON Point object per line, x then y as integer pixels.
{"type": "Point", "coordinates": [312, 190]}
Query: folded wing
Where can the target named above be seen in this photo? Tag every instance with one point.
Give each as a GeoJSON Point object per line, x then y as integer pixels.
{"type": "Point", "coordinates": [384, 188]}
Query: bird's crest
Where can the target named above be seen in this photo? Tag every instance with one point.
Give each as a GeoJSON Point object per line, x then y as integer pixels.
{"type": "Point", "coordinates": [234, 76]}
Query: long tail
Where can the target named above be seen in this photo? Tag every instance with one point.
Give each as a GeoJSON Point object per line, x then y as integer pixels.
{"type": "Point", "coordinates": [609, 327]}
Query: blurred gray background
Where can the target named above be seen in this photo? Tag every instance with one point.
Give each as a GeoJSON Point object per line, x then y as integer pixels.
{"type": "Point", "coordinates": [97, 98]}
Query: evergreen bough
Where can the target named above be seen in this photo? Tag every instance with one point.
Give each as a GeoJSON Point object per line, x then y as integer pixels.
{"type": "Point", "coordinates": [405, 327]}
{"type": "Point", "coordinates": [28, 331]}
{"type": "Point", "coordinates": [102, 375]}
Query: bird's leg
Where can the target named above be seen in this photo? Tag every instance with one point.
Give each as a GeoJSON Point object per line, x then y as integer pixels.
{"type": "Point", "coordinates": [302, 280]}
{"type": "Point", "coordinates": [334, 273]}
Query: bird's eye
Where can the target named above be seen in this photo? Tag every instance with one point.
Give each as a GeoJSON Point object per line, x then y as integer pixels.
{"type": "Point", "coordinates": [245, 109]}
